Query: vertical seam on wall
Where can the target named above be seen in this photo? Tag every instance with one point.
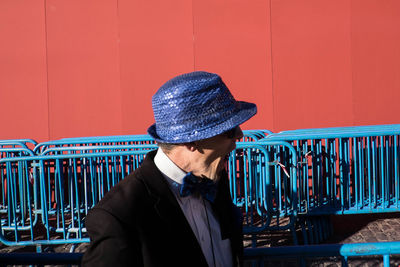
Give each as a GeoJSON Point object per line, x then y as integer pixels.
{"type": "Point", "coordinates": [351, 65]}
{"type": "Point", "coordinates": [193, 38]}
{"type": "Point", "coordinates": [47, 69]}
{"type": "Point", "coordinates": [119, 67]}
{"type": "Point", "coordinates": [272, 67]}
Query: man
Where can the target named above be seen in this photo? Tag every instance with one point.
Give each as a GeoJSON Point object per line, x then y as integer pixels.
{"type": "Point", "coordinates": [175, 209]}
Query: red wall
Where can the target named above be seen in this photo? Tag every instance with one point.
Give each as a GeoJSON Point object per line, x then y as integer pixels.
{"type": "Point", "coordinates": [89, 67]}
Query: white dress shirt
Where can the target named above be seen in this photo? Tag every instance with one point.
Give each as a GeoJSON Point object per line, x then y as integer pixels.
{"type": "Point", "coordinates": [199, 214]}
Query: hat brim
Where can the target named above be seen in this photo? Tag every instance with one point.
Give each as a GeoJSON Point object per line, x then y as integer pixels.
{"type": "Point", "coordinates": [244, 112]}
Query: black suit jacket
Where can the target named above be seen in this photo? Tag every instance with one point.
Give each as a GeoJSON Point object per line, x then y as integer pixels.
{"type": "Point", "coordinates": [140, 223]}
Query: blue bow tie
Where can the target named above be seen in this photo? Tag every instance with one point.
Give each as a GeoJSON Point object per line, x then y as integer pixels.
{"type": "Point", "coordinates": [206, 187]}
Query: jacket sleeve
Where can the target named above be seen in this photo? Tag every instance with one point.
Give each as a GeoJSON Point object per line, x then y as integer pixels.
{"type": "Point", "coordinates": [111, 244]}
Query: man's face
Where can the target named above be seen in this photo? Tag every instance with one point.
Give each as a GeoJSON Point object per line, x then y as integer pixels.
{"type": "Point", "coordinates": [216, 149]}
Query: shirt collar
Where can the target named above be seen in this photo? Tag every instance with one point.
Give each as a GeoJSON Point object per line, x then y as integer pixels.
{"type": "Point", "coordinates": [168, 168]}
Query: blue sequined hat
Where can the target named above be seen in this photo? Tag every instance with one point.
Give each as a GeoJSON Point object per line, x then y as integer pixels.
{"type": "Point", "coordinates": [196, 106]}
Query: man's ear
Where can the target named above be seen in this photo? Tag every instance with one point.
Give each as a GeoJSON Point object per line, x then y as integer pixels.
{"type": "Point", "coordinates": [192, 146]}
{"type": "Point", "coordinates": [195, 146]}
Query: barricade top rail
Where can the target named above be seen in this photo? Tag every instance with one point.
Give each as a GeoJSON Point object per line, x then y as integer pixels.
{"type": "Point", "coordinates": [68, 156]}
{"type": "Point", "coordinates": [133, 138]}
{"type": "Point", "coordinates": [5, 144]}
{"type": "Point", "coordinates": [16, 150]}
{"type": "Point", "coordinates": [328, 133]}
{"type": "Point", "coordinates": [250, 136]}
{"type": "Point", "coordinates": [99, 149]}
{"type": "Point", "coordinates": [324, 250]}
{"type": "Point", "coordinates": [109, 137]}
{"type": "Point", "coordinates": [345, 128]}
{"type": "Point", "coordinates": [24, 141]}
{"type": "Point", "coordinates": [260, 131]}
{"type": "Point", "coordinates": [265, 142]}
{"type": "Point", "coordinates": [93, 140]}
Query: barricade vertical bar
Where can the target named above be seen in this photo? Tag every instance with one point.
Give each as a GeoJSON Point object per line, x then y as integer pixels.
{"type": "Point", "coordinates": [58, 175]}
{"type": "Point", "coordinates": [374, 170]}
{"type": "Point", "coordinates": [386, 260]}
{"type": "Point", "coordinates": [329, 167]}
{"type": "Point", "coordinates": [396, 170]}
{"type": "Point", "coordinates": [328, 172]}
{"type": "Point", "coordinates": [279, 180]}
{"type": "Point", "coordinates": [388, 176]}
{"type": "Point", "coordinates": [307, 188]}
{"type": "Point", "coordinates": [85, 188]}
{"type": "Point", "coordinates": [346, 180]}
{"type": "Point", "coordinates": [122, 166]}
{"type": "Point", "coordinates": [246, 186]}
{"type": "Point", "coordinates": [382, 171]}
{"type": "Point", "coordinates": [356, 174]}
{"type": "Point", "coordinates": [261, 179]}
{"type": "Point", "coordinates": [100, 187]}
{"type": "Point", "coordinates": [370, 186]}
{"type": "Point", "coordinates": [333, 159]}
{"type": "Point", "coordinates": [56, 195]}
{"type": "Point", "coordinates": [313, 153]}
{"type": "Point", "coordinates": [21, 190]}
{"type": "Point", "coordinates": [309, 193]}
{"type": "Point", "coordinates": [44, 198]}
{"type": "Point", "coordinates": [341, 172]}
{"type": "Point", "coordinates": [31, 222]}
{"type": "Point", "coordinates": [344, 261]}
{"type": "Point", "coordinates": [11, 198]}
{"type": "Point", "coordinates": [115, 168]}
{"type": "Point", "coordinates": [106, 173]}
{"type": "Point", "coordinates": [232, 184]}
{"type": "Point", "coordinates": [253, 185]}
{"type": "Point", "coordinates": [302, 145]}
{"type": "Point", "coordinates": [344, 173]}
{"type": "Point", "coordinates": [249, 184]}
{"type": "Point", "coordinates": [78, 208]}
{"type": "Point", "coordinates": [392, 181]}
{"type": "Point", "coordinates": [361, 149]}
{"type": "Point", "coordinates": [303, 262]}
{"type": "Point", "coordinates": [320, 182]}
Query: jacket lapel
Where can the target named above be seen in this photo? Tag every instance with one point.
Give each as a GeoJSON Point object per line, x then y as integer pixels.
{"type": "Point", "coordinates": [166, 205]}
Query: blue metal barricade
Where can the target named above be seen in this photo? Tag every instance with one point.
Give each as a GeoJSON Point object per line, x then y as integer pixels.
{"type": "Point", "coordinates": [263, 184]}
{"type": "Point", "coordinates": [70, 184]}
{"type": "Point", "coordinates": [93, 149]}
{"type": "Point", "coordinates": [19, 193]}
{"type": "Point", "coordinates": [345, 252]}
{"type": "Point", "coordinates": [346, 170]}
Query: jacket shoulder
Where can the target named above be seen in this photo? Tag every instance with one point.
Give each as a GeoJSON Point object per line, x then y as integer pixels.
{"type": "Point", "coordinates": [127, 196]}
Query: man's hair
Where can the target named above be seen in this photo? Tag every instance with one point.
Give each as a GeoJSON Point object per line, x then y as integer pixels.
{"type": "Point", "coordinates": [167, 147]}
